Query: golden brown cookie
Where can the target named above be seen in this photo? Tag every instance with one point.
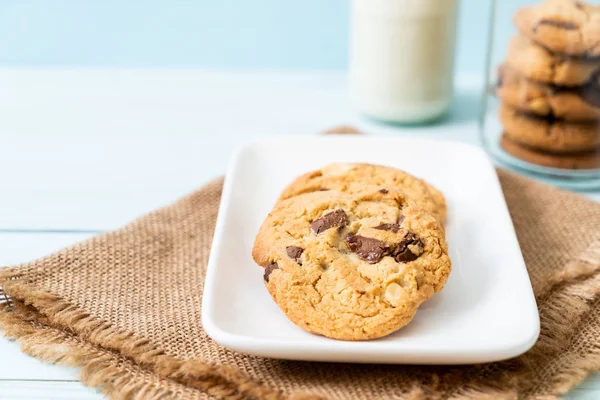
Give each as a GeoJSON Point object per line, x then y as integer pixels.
{"type": "Point", "coordinates": [352, 177]}
{"type": "Point", "coordinates": [581, 104]}
{"type": "Point", "coordinates": [565, 161]}
{"type": "Point", "coordinates": [538, 64]}
{"type": "Point", "coordinates": [562, 26]}
{"type": "Point", "coordinates": [351, 266]}
{"type": "Point", "coordinates": [548, 135]}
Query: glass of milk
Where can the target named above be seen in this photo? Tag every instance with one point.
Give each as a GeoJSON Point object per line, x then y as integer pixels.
{"type": "Point", "coordinates": [402, 58]}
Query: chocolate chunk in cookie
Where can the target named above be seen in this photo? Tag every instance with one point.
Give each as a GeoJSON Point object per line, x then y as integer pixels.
{"type": "Point", "coordinates": [367, 249]}
{"type": "Point", "coordinates": [269, 269]}
{"type": "Point", "coordinates": [335, 219]}
{"type": "Point", "coordinates": [384, 191]}
{"type": "Point", "coordinates": [388, 227]}
{"type": "Point", "coordinates": [556, 24]}
{"type": "Point", "coordinates": [409, 249]}
{"type": "Point", "coordinates": [373, 250]}
{"type": "Point", "coordinates": [391, 227]}
{"type": "Point", "coordinates": [294, 252]}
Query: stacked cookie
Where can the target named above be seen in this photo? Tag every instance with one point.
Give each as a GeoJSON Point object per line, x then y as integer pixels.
{"type": "Point", "coordinates": [350, 251]}
{"type": "Point", "coordinates": [549, 85]}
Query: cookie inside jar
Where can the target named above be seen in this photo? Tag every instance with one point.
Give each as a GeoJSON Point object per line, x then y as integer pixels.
{"type": "Point", "coordinates": [542, 114]}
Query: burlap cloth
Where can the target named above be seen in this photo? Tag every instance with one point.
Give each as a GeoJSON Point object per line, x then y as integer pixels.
{"type": "Point", "coordinates": [125, 306]}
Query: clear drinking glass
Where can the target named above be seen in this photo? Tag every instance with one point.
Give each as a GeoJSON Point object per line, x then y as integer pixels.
{"type": "Point", "coordinates": [402, 58]}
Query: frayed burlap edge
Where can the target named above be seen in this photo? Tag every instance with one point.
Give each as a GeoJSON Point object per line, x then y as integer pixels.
{"type": "Point", "coordinates": [115, 375]}
{"type": "Point", "coordinates": [218, 381]}
{"type": "Point", "coordinates": [55, 331]}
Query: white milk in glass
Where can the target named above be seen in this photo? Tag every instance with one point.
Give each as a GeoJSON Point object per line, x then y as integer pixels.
{"type": "Point", "coordinates": [402, 58]}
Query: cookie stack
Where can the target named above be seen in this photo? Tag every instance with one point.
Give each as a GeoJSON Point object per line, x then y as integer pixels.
{"type": "Point", "coordinates": [350, 251]}
{"type": "Point", "coordinates": [549, 85]}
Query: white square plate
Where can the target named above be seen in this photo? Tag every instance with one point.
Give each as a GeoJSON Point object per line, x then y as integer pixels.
{"type": "Point", "coordinates": [486, 312]}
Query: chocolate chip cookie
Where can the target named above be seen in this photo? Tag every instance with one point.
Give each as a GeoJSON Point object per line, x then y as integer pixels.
{"type": "Point", "coordinates": [565, 161]}
{"type": "Point", "coordinates": [539, 64]}
{"type": "Point", "coordinates": [562, 26]}
{"type": "Point", "coordinates": [351, 266]}
{"type": "Point", "coordinates": [351, 177]}
{"type": "Point", "coordinates": [549, 135]}
{"type": "Point", "coordinates": [570, 104]}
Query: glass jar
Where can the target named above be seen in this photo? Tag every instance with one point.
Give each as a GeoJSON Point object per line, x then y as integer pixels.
{"type": "Point", "coordinates": [402, 58]}
{"type": "Point", "coordinates": [541, 113]}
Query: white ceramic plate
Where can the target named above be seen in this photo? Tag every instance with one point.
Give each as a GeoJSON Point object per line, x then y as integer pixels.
{"type": "Point", "coordinates": [486, 312]}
